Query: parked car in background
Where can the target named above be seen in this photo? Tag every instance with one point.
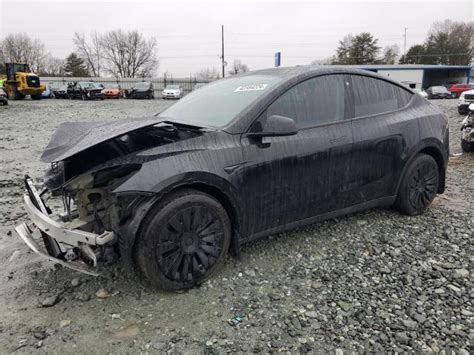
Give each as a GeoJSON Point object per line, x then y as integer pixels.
{"type": "Point", "coordinates": [421, 92]}
{"type": "Point", "coordinates": [465, 99]}
{"type": "Point", "coordinates": [113, 91]}
{"type": "Point", "coordinates": [47, 93]}
{"type": "Point", "coordinates": [239, 159]}
{"type": "Point", "coordinates": [85, 90]}
{"type": "Point", "coordinates": [142, 90]}
{"type": "Point", "coordinates": [467, 131]}
{"type": "Point", "coordinates": [172, 92]}
{"type": "Point", "coordinates": [438, 92]}
{"type": "Point", "coordinates": [60, 92]}
{"type": "Point", "coordinates": [3, 97]}
{"type": "Point", "coordinates": [457, 89]}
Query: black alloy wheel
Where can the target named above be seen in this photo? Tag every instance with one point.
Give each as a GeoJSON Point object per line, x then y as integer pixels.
{"type": "Point", "coordinates": [191, 244]}
{"type": "Point", "coordinates": [419, 185]}
{"type": "Point", "coordinates": [183, 240]}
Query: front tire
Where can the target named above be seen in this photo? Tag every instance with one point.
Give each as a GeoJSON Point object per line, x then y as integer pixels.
{"type": "Point", "coordinates": [183, 240]}
{"type": "Point", "coordinates": [419, 185]}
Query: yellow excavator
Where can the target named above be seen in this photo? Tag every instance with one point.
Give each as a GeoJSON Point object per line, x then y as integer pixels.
{"type": "Point", "coordinates": [20, 81]}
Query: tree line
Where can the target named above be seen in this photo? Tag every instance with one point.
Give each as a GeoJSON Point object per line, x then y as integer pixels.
{"type": "Point", "coordinates": [448, 42]}
{"type": "Point", "coordinates": [117, 53]}
{"type": "Point", "coordinates": [129, 54]}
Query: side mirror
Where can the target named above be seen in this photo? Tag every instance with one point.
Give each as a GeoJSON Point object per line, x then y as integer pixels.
{"type": "Point", "coordinates": [276, 126]}
{"type": "Point", "coordinates": [471, 107]}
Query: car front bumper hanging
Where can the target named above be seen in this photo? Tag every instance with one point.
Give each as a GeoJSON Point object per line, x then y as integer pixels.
{"type": "Point", "coordinates": [57, 232]}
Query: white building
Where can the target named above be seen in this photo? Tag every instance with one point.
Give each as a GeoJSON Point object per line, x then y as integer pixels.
{"type": "Point", "coordinates": [421, 76]}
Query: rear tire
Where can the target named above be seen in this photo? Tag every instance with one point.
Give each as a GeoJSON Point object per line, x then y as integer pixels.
{"type": "Point", "coordinates": [36, 97]}
{"type": "Point", "coordinates": [419, 185]}
{"type": "Point", "coordinates": [183, 240]}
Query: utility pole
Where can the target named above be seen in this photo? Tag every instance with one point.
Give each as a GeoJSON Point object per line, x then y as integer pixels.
{"type": "Point", "coordinates": [222, 55]}
{"type": "Point", "coordinates": [405, 47]}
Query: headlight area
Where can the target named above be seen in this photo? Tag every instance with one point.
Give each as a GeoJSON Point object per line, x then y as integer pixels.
{"type": "Point", "coordinates": [89, 198]}
{"type": "Point", "coordinates": [85, 231]}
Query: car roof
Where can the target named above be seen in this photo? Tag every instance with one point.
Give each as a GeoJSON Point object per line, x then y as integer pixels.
{"type": "Point", "coordinates": [300, 72]}
{"type": "Point", "coordinates": [291, 76]}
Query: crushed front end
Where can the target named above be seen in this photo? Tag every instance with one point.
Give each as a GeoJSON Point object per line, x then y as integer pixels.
{"type": "Point", "coordinates": [78, 236]}
{"type": "Point", "coordinates": [467, 133]}
{"type": "Point", "coordinates": [88, 162]}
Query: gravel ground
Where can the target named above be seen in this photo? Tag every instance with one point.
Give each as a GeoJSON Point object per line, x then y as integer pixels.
{"type": "Point", "coordinates": [374, 281]}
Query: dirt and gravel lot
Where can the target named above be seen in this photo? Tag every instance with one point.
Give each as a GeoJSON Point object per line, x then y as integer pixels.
{"type": "Point", "coordinates": [375, 281]}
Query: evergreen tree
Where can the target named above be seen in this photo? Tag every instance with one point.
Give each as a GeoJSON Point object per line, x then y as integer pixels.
{"type": "Point", "coordinates": [360, 49]}
{"type": "Point", "coordinates": [75, 66]}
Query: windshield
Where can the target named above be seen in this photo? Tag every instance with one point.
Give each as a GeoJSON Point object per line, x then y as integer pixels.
{"type": "Point", "coordinates": [217, 103]}
{"type": "Point", "coordinates": [172, 87]}
{"type": "Point", "coordinates": [86, 85]}
{"type": "Point", "coordinates": [142, 85]}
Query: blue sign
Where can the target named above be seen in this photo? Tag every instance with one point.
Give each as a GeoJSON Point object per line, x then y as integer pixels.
{"type": "Point", "coordinates": [277, 59]}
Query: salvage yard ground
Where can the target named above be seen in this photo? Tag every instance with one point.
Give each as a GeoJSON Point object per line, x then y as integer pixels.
{"type": "Point", "coordinates": [376, 280]}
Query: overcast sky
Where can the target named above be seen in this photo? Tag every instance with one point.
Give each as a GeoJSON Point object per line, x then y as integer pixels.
{"type": "Point", "coordinates": [189, 33]}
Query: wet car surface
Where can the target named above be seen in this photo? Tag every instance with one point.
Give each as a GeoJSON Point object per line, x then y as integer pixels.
{"type": "Point", "coordinates": [174, 193]}
{"type": "Point", "coordinates": [281, 281]}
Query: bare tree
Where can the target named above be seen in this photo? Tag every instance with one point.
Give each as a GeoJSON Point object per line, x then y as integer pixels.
{"type": "Point", "coordinates": [129, 54]}
{"type": "Point", "coordinates": [20, 48]}
{"type": "Point", "coordinates": [390, 54]}
{"type": "Point", "coordinates": [53, 66]}
{"type": "Point", "coordinates": [238, 67]}
{"type": "Point", "coordinates": [90, 51]}
{"type": "Point", "coordinates": [208, 74]}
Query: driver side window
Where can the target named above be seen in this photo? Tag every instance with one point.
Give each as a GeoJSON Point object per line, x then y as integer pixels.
{"type": "Point", "coordinates": [313, 102]}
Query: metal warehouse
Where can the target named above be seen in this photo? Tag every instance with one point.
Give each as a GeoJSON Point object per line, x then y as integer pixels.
{"type": "Point", "coordinates": [418, 76]}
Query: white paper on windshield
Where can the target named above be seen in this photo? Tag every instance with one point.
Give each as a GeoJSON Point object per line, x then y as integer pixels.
{"type": "Point", "coordinates": [253, 87]}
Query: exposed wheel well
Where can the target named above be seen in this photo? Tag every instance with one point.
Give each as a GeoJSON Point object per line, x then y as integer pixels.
{"type": "Point", "coordinates": [438, 157]}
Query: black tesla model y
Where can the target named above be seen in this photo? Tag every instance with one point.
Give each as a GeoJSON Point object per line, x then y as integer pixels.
{"type": "Point", "coordinates": [238, 159]}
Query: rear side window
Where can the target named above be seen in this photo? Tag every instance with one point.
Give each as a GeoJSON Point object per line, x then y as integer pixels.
{"type": "Point", "coordinates": [314, 101]}
{"type": "Point", "coordinates": [374, 96]}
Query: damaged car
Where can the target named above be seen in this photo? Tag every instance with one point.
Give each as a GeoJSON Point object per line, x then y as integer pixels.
{"type": "Point", "coordinates": [141, 90]}
{"type": "Point", "coordinates": [241, 158]}
{"type": "Point", "coordinates": [85, 90]}
{"type": "Point", "coordinates": [467, 131]}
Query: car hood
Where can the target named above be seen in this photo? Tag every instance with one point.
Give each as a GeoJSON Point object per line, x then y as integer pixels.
{"type": "Point", "coordinates": [141, 90]}
{"type": "Point", "coordinates": [71, 138]}
{"type": "Point", "coordinates": [171, 91]}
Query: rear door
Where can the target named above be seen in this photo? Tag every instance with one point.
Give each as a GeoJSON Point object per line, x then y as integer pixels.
{"type": "Point", "coordinates": [292, 178]}
{"type": "Point", "coordinates": [384, 128]}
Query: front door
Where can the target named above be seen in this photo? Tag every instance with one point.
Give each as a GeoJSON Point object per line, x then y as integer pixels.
{"type": "Point", "coordinates": [292, 178]}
